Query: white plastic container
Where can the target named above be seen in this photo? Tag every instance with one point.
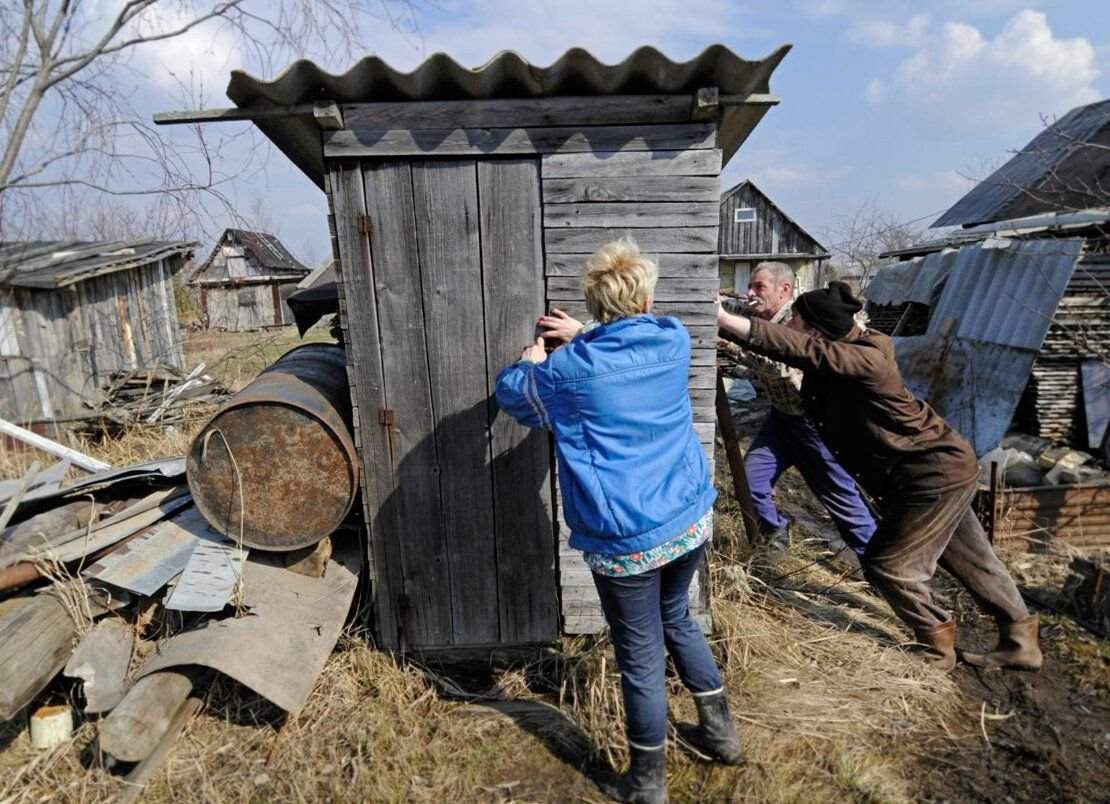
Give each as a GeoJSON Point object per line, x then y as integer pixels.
{"type": "Point", "coordinates": [51, 726]}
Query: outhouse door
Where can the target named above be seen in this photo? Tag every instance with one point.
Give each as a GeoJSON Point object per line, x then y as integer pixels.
{"type": "Point", "coordinates": [442, 280]}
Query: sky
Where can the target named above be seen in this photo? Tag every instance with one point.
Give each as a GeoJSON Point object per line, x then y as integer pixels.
{"type": "Point", "coordinates": [896, 106]}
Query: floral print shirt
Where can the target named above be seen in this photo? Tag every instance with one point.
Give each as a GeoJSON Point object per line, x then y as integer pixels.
{"type": "Point", "coordinates": [636, 563]}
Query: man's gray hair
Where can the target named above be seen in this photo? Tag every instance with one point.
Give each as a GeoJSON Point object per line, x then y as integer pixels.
{"type": "Point", "coordinates": [780, 271]}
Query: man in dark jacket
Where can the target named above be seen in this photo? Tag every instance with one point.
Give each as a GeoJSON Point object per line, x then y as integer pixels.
{"type": "Point", "coordinates": [920, 472]}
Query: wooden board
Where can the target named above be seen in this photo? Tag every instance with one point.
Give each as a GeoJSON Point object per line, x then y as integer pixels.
{"type": "Point", "coordinates": [475, 142]}
{"type": "Point", "coordinates": [445, 195]}
{"type": "Point", "coordinates": [637, 215]}
{"type": "Point", "coordinates": [691, 239]}
{"type": "Point", "coordinates": [638, 188]}
{"type": "Point", "coordinates": [512, 283]}
{"type": "Point", "coordinates": [414, 509]}
{"type": "Point", "coordinates": [671, 266]}
{"type": "Point", "coordinates": [520, 112]}
{"type": "Point", "coordinates": [598, 164]}
{"type": "Point", "coordinates": [359, 312]}
{"type": "Point", "coordinates": [561, 288]}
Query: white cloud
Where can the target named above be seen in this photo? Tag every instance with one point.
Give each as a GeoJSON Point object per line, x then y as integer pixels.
{"type": "Point", "coordinates": [884, 33]}
{"type": "Point", "coordinates": [957, 78]}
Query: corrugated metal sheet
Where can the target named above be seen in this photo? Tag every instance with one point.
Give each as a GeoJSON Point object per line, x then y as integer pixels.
{"type": "Point", "coordinates": [507, 75]}
{"type": "Point", "coordinates": [54, 264]}
{"type": "Point", "coordinates": [1056, 171]}
{"type": "Point", "coordinates": [916, 280]}
{"type": "Point", "coordinates": [985, 331]}
{"type": "Point", "coordinates": [1006, 295]}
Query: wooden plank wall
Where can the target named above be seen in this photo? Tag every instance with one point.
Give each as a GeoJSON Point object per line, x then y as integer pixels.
{"type": "Point", "coordinates": [610, 167]}
{"type": "Point", "coordinates": [68, 342]}
{"type": "Point", "coordinates": [668, 203]}
{"type": "Point", "coordinates": [771, 233]}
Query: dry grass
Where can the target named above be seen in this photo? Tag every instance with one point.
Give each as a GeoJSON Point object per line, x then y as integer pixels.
{"type": "Point", "coordinates": [828, 708]}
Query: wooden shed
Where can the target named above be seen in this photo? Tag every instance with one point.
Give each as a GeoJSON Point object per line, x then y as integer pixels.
{"type": "Point", "coordinates": [463, 203]}
{"type": "Point", "coordinates": [243, 285]}
{"type": "Point", "coordinates": [73, 313]}
{"type": "Point", "coordinates": [753, 230]}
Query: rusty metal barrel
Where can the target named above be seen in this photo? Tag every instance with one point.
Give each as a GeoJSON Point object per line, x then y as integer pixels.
{"type": "Point", "coordinates": [276, 466]}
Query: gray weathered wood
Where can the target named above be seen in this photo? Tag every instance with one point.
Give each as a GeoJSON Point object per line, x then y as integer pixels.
{"type": "Point", "coordinates": [638, 188]}
{"type": "Point", "coordinates": [413, 510]}
{"type": "Point", "coordinates": [706, 105]}
{"type": "Point", "coordinates": [521, 112]}
{"type": "Point", "coordinates": [667, 289]}
{"type": "Point", "coordinates": [135, 727]}
{"type": "Point", "coordinates": [692, 314]}
{"type": "Point", "coordinates": [671, 266]}
{"type": "Point", "coordinates": [474, 142]}
{"type": "Point", "coordinates": [144, 770]}
{"type": "Point", "coordinates": [102, 660]}
{"type": "Point", "coordinates": [689, 239]}
{"type": "Point", "coordinates": [597, 164]}
{"type": "Point", "coordinates": [637, 215]}
{"type": "Point", "coordinates": [328, 114]}
{"type": "Point", "coordinates": [512, 278]}
{"type": "Point", "coordinates": [446, 199]}
{"type": "Point", "coordinates": [359, 312]}
{"type": "Point", "coordinates": [36, 639]}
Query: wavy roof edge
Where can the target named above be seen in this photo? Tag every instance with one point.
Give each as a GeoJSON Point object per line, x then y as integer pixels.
{"type": "Point", "coordinates": [48, 264]}
{"type": "Point", "coordinates": [509, 75]}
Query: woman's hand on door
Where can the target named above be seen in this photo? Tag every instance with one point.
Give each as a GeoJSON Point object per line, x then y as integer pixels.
{"type": "Point", "coordinates": [534, 353]}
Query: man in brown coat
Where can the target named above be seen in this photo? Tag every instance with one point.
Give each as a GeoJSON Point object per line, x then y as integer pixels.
{"type": "Point", "coordinates": [919, 471]}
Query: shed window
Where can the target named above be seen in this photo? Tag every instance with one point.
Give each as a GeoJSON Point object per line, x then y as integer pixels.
{"type": "Point", "coordinates": [744, 215]}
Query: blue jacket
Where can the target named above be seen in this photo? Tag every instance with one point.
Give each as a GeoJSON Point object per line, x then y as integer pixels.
{"type": "Point", "coordinates": [632, 472]}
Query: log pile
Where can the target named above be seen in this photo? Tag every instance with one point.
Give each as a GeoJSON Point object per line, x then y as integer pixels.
{"type": "Point", "coordinates": [162, 395]}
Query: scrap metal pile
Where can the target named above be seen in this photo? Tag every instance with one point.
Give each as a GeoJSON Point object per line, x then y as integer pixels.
{"type": "Point", "coordinates": [143, 582]}
{"type": "Point", "coordinates": [160, 395]}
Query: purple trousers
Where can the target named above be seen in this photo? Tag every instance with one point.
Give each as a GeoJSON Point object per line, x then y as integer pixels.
{"type": "Point", "coordinates": [784, 441]}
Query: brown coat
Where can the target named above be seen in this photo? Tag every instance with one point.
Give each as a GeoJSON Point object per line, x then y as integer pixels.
{"type": "Point", "coordinates": [890, 441]}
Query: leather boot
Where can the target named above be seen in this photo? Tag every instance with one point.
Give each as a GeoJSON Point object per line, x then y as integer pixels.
{"type": "Point", "coordinates": [937, 644]}
{"type": "Point", "coordinates": [1018, 646]}
{"type": "Point", "coordinates": [646, 780]}
{"type": "Point", "coordinates": [716, 733]}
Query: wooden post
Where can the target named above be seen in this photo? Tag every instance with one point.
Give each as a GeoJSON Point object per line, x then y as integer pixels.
{"type": "Point", "coordinates": [992, 502]}
{"type": "Point", "coordinates": [736, 464]}
{"type": "Point", "coordinates": [36, 640]}
{"type": "Point", "coordinates": [134, 729]}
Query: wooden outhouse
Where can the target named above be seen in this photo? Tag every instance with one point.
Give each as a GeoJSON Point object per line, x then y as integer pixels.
{"type": "Point", "coordinates": [463, 204]}
{"type": "Point", "coordinates": [74, 313]}
{"type": "Point", "coordinates": [755, 229]}
{"type": "Point", "coordinates": [244, 283]}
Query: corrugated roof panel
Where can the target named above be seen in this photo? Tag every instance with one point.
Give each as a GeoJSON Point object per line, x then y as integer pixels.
{"type": "Point", "coordinates": [1006, 295]}
{"type": "Point", "coordinates": [1055, 171]}
{"type": "Point", "coordinates": [52, 264]}
{"type": "Point", "coordinates": [507, 75]}
{"type": "Point", "coordinates": [914, 280]}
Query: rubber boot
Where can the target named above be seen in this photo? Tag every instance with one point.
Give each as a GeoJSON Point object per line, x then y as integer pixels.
{"type": "Point", "coordinates": [646, 780]}
{"type": "Point", "coordinates": [937, 644]}
{"type": "Point", "coordinates": [1018, 646]}
{"type": "Point", "coordinates": [716, 733]}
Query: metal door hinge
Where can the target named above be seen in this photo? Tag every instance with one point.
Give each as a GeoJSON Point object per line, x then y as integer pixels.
{"type": "Point", "coordinates": [365, 225]}
{"type": "Point", "coordinates": [385, 417]}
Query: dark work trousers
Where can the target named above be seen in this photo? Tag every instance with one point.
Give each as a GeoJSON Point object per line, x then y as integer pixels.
{"type": "Point", "coordinates": [918, 531]}
{"type": "Point", "coordinates": [784, 441]}
{"type": "Point", "coordinates": [646, 612]}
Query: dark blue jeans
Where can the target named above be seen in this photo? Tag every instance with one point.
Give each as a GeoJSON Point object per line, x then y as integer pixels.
{"type": "Point", "coordinates": [646, 612]}
{"type": "Point", "coordinates": [784, 441]}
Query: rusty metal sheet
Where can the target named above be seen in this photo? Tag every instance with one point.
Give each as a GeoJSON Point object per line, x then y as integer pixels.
{"type": "Point", "coordinates": [918, 280]}
{"type": "Point", "coordinates": [289, 628]}
{"type": "Point", "coordinates": [277, 468]}
{"type": "Point", "coordinates": [975, 386]}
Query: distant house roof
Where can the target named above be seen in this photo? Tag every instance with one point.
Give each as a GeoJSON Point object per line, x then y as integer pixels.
{"type": "Point", "coordinates": [507, 75]}
{"type": "Point", "coordinates": [1065, 167]}
{"type": "Point", "coordinates": [57, 263]}
{"type": "Point", "coordinates": [816, 251]}
{"type": "Point", "coordinates": [268, 253]}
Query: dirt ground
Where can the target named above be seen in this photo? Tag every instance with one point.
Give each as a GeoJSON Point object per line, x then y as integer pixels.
{"type": "Point", "coordinates": [830, 708]}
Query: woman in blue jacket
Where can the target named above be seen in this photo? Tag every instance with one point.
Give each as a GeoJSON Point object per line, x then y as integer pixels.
{"type": "Point", "coordinates": [637, 494]}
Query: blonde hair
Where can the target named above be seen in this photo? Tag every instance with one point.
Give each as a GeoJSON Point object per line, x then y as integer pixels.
{"type": "Point", "coordinates": [618, 280]}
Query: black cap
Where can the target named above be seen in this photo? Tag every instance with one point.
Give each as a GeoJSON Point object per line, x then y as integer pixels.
{"type": "Point", "coordinates": [830, 309]}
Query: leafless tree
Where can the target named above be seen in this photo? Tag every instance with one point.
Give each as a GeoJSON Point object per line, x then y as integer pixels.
{"type": "Point", "coordinates": [67, 78]}
{"type": "Point", "coordinates": [857, 240]}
